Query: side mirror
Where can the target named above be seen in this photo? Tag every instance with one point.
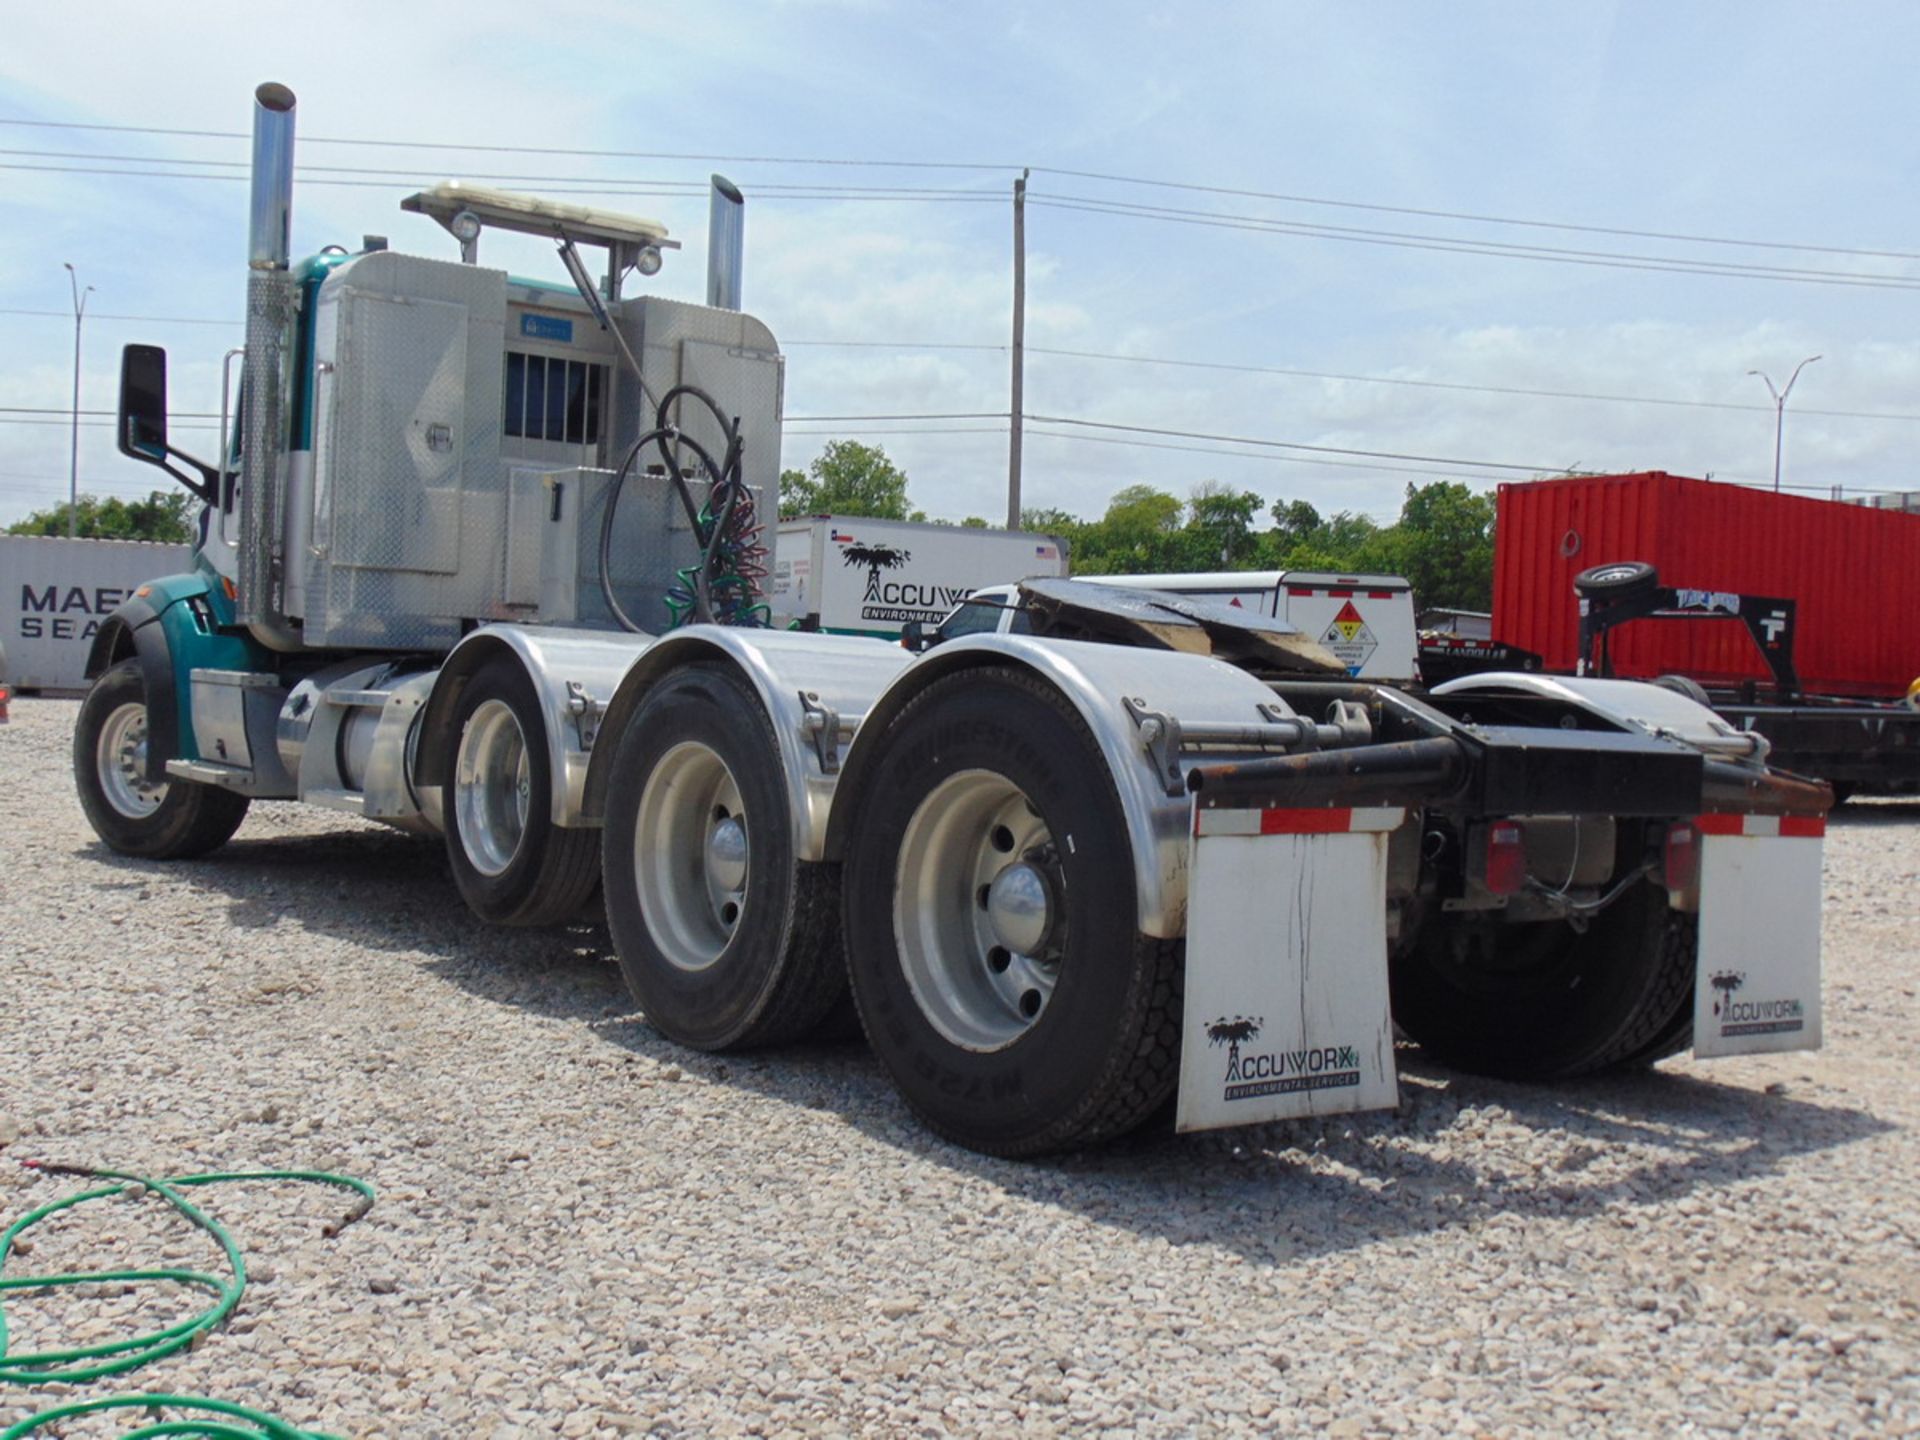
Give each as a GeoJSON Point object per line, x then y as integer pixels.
{"type": "Point", "coordinates": [143, 403]}
{"type": "Point", "coordinates": [913, 636]}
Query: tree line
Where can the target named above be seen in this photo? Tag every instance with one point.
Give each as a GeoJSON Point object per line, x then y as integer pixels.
{"type": "Point", "coordinates": [1442, 541]}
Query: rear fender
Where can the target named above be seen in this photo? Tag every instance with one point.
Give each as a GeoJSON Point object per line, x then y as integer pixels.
{"type": "Point", "coordinates": [1097, 680]}
{"type": "Point", "coordinates": [807, 684]}
{"type": "Point", "coordinates": [575, 673]}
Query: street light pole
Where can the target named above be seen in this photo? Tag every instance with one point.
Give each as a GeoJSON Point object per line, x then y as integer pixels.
{"type": "Point", "coordinates": [73, 457]}
{"type": "Point", "coordinates": [1780, 410]}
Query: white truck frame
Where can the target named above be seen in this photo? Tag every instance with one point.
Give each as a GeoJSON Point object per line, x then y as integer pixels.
{"type": "Point", "coordinates": [1154, 852]}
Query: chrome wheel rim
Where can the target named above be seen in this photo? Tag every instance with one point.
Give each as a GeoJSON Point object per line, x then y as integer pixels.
{"type": "Point", "coordinates": [492, 787]}
{"type": "Point", "coordinates": [692, 855]}
{"type": "Point", "coordinates": [979, 910]}
{"type": "Point", "coordinates": [120, 760]}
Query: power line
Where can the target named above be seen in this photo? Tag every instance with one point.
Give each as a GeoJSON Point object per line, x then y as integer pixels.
{"type": "Point", "coordinates": [703, 159]}
{"type": "Point", "coordinates": [1104, 177]}
{"type": "Point", "coordinates": [1460, 246]}
{"type": "Point", "coordinates": [1293, 373]}
{"type": "Point", "coordinates": [143, 319]}
{"type": "Point", "coordinates": [654, 190]}
{"type": "Point", "coordinates": [1477, 219]}
{"type": "Point", "coordinates": [1313, 449]}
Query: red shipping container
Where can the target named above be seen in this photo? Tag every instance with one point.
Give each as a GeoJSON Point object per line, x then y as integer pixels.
{"type": "Point", "coordinates": [1855, 572]}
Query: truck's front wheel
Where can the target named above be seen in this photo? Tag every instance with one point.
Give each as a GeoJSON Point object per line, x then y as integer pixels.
{"type": "Point", "coordinates": [155, 820]}
{"type": "Point", "coordinates": [513, 865]}
{"type": "Point", "coordinates": [725, 940]}
{"type": "Point", "coordinates": [1542, 1001]}
{"type": "Point", "coordinates": [992, 934]}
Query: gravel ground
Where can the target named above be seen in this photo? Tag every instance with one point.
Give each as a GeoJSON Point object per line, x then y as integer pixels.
{"type": "Point", "coordinates": [584, 1231]}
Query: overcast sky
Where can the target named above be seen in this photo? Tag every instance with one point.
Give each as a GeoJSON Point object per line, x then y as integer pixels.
{"type": "Point", "coordinates": [1338, 317]}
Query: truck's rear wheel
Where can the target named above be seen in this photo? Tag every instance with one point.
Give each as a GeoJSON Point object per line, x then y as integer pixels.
{"type": "Point", "coordinates": [725, 940]}
{"type": "Point", "coordinates": [513, 865]}
{"type": "Point", "coordinates": [155, 820]}
{"type": "Point", "coordinates": [991, 924]}
{"type": "Point", "coordinates": [1542, 1001]}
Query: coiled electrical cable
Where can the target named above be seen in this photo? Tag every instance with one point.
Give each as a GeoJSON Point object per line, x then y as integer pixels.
{"type": "Point", "coordinates": [724, 586]}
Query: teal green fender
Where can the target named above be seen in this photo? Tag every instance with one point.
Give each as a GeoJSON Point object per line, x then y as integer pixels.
{"type": "Point", "coordinates": [174, 626]}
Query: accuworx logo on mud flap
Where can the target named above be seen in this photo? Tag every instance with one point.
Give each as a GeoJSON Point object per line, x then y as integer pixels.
{"type": "Point", "coordinates": [1752, 1017]}
{"type": "Point", "coordinates": [1279, 1072]}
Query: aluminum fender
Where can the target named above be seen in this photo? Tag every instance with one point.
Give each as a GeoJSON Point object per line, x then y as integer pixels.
{"type": "Point", "coordinates": [576, 673]}
{"type": "Point", "coordinates": [1653, 708]}
{"type": "Point", "coordinates": [1096, 680]}
{"type": "Point", "coordinates": [837, 673]}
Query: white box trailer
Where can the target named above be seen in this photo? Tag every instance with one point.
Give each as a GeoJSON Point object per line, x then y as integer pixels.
{"type": "Point", "coordinates": [1365, 620]}
{"type": "Point", "coordinates": [850, 575]}
{"type": "Point", "coordinates": [56, 592]}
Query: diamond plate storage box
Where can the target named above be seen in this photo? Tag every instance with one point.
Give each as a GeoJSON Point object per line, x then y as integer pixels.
{"type": "Point", "coordinates": [410, 495]}
{"type": "Point", "coordinates": [1855, 572]}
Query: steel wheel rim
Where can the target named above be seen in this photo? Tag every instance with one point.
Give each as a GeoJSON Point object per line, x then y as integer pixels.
{"type": "Point", "coordinates": [120, 760]}
{"type": "Point", "coordinates": [492, 787]}
{"type": "Point", "coordinates": [692, 855]}
{"type": "Point", "coordinates": [979, 910]}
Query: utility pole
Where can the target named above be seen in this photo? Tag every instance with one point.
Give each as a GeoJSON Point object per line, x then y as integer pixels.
{"type": "Point", "coordinates": [1780, 410]}
{"type": "Point", "coordinates": [73, 458]}
{"type": "Point", "coordinates": [1016, 415]}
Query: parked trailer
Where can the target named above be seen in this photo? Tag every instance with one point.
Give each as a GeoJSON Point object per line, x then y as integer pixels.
{"type": "Point", "coordinates": [1156, 850]}
{"type": "Point", "coordinates": [55, 593]}
{"type": "Point", "coordinates": [852, 575]}
{"type": "Point", "coordinates": [1857, 746]}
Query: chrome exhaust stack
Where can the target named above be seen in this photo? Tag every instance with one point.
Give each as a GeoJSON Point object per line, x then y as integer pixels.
{"type": "Point", "coordinates": [726, 238]}
{"type": "Point", "coordinates": [270, 312]}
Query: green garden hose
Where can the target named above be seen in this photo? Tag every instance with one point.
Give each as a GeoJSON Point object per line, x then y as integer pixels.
{"type": "Point", "coordinates": [78, 1364]}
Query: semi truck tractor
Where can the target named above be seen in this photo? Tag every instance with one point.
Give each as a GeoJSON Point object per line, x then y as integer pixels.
{"type": "Point", "coordinates": [484, 558]}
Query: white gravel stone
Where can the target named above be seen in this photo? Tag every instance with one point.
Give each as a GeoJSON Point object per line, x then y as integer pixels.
{"type": "Point", "coordinates": [568, 1243]}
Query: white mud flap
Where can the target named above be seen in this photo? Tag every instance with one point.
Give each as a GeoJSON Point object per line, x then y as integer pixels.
{"type": "Point", "coordinates": [1286, 992]}
{"type": "Point", "coordinates": [1758, 985]}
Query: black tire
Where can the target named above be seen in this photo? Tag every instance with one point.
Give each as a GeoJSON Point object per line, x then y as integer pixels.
{"type": "Point", "coordinates": [175, 820]}
{"type": "Point", "coordinates": [511, 869]}
{"type": "Point", "coordinates": [1099, 1054]}
{"type": "Point", "coordinates": [763, 967]}
{"type": "Point", "coordinates": [1539, 1001]}
{"type": "Point", "coordinates": [1688, 686]}
{"type": "Point", "coordinates": [1617, 581]}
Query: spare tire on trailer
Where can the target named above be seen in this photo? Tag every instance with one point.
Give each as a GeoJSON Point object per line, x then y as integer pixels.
{"type": "Point", "coordinates": [1688, 686]}
{"type": "Point", "coordinates": [1617, 580]}
{"type": "Point", "coordinates": [1541, 1001]}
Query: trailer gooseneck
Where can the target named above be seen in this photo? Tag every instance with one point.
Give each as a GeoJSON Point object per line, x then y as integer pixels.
{"type": "Point", "coordinates": [1153, 850]}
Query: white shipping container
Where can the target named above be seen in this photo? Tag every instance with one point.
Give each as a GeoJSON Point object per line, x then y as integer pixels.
{"type": "Point", "coordinates": [856, 576]}
{"type": "Point", "coordinates": [55, 592]}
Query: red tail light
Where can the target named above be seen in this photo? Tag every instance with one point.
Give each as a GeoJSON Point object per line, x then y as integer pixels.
{"type": "Point", "coordinates": [1506, 857]}
{"type": "Point", "coordinates": [1680, 856]}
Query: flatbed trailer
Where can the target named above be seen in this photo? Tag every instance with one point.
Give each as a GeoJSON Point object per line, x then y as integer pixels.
{"type": "Point", "coordinates": [1154, 852]}
{"type": "Point", "coordinates": [1856, 745]}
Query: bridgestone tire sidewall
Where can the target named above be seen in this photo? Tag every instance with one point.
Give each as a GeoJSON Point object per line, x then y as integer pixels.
{"type": "Point", "coordinates": [1594, 1001]}
{"type": "Point", "coordinates": [715, 1007]}
{"type": "Point", "coordinates": [191, 820]}
{"type": "Point", "coordinates": [1037, 1092]}
{"type": "Point", "coordinates": [504, 898]}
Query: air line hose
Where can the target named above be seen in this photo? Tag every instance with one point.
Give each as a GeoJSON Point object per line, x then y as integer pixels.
{"type": "Point", "coordinates": [79, 1364]}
